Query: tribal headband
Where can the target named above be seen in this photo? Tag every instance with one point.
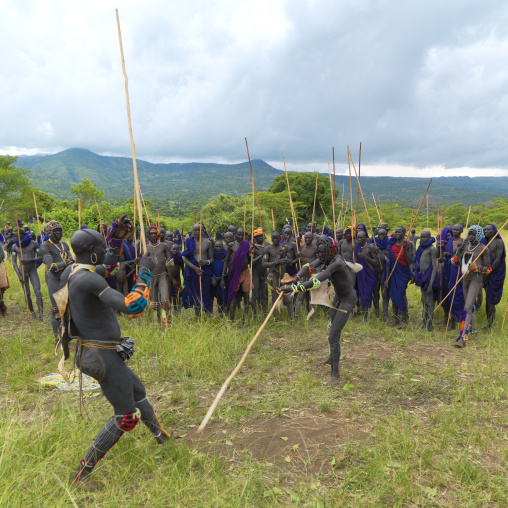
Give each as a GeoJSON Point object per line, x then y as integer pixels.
{"type": "Point", "coordinates": [258, 231]}
{"type": "Point", "coordinates": [478, 230]}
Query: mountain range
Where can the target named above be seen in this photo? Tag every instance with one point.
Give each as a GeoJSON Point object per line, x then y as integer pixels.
{"type": "Point", "coordinates": [178, 187]}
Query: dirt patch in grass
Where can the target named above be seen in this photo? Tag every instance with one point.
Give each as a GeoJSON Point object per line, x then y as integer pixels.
{"type": "Point", "coordinates": [306, 442]}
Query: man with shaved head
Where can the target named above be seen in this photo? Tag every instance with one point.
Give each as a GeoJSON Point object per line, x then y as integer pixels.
{"type": "Point", "coordinates": [399, 259]}
{"type": "Point", "coordinates": [198, 259]}
{"type": "Point", "coordinates": [453, 272]}
{"type": "Point", "coordinates": [425, 277]}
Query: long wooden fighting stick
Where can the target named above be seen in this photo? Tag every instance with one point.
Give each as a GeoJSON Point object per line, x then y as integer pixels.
{"type": "Point", "coordinates": [365, 205]}
{"type": "Point", "coordinates": [350, 190]}
{"type": "Point", "coordinates": [273, 220]}
{"type": "Point", "coordinates": [504, 316]}
{"type": "Point", "coordinates": [254, 185]}
{"type": "Point", "coordinates": [457, 278]}
{"type": "Point", "coordinates": [358, 181]}
{"type": "Point", "coordinates": [410, 226]}
{"type": "Point", "coordinates": [252, 250]}
{"type": "Point", "coordinates": [314, 205]}
{"type": "Point", "coordinates": [200, 266]}
{"type": "Point", "coordinates": [236, 369]}
{"type": "Point", "coordinates": [481, 252]}
{"type": "Point", "coordinates": [342, 207]}
{"type": "Point", "coordinates": [333, 200]}
{"type": "Point", "coordinates": [295, 223]}
{"type": "Point", "coordinates": [79, 213]}
{"type": "Point", "coordinates": [377, 210]}
{"type": "Point", "coordinates": [380, 212]}
{"type": "Point", "coordinates": [100, 217]}
{"type": "Point", "coordinates": [324, 214]}
{"type": "Point", "coordinates": [133, 150]}
{"type": "Point", "coordinates": [25, 282]}
{"type": "Point", "coordinates": [331, 195]}
{"type": "Point", "coordinates": [244, 212]}
{"type": "Point", "coordinates": [37, 214]}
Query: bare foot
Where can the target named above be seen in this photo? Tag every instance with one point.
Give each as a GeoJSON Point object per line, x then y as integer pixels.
{"type": "Point", "coordinates": [333, 381]}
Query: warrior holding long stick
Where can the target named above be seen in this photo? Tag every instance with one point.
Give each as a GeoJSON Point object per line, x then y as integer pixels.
{"type": "Point", "coordinates": [334, 268]}
{"type": "Point", "coordinates": [90, 318]}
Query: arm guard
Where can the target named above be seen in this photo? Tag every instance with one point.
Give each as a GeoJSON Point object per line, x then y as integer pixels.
{"type": "Point", "coordinates": [137, 300]}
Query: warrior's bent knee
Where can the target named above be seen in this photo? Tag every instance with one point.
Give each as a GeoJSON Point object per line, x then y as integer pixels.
{"type": "Point", "coordinates": [128, 422]}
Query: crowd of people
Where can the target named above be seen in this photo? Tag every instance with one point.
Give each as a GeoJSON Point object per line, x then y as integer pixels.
{"type": "Point", "coordinates": [111, 271]}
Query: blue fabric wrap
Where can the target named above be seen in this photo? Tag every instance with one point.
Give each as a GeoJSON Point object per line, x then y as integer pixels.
{"type": "Point", "coordinates": [496, 278]}
{"type": "Point", "coordinates": [365, 230]}
{"type": "Point", "coordinates": [381, 244]}
{"type": "Point", "coordinates": [397, 285]}
{"type": "Point", "coordinates": [366, 279]}
{"type": "Point", "coordinates": [217, 267]}
{"type": "Point", "coordinates": [129, 251]}
{"type": "Point", "coordinates": [454, 273]}
{"type": "Point", "coordinates": [191, 279]}
{"type": "Point", "coordinates": [25, 241]}
{"type": "Point", "coordinates": [140, 304]}
{"type": "Point", "coordinates": [419, 252]}
{"type": "Point", "coordinates": [291, 270]}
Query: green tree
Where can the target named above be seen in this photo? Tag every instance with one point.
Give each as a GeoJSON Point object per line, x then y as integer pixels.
{"type": "Point", "coordinates": [14, 188]}
{"type": "Point", "coordinates": [87, 192]}
{"type": "Point", "coordinates": [303, 186]}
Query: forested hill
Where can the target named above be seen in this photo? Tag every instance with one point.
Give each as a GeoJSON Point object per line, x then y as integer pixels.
{"type": "Point", "coordinates": [180, 186]}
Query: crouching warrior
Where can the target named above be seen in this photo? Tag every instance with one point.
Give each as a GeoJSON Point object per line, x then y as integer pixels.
{"type": "Point", "coordinates": [101, 352]}
{"type": "Point", "coordinates": [56, 256]}
{"type": "Point", "coordinates": [334, 268]}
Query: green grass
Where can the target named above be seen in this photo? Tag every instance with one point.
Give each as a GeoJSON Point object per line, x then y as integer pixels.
{"type": "Point", "coordinates": [414, 422]}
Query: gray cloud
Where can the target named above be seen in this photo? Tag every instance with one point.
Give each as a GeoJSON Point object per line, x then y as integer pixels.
{"type": "Point", "coordinates": [419, 83]}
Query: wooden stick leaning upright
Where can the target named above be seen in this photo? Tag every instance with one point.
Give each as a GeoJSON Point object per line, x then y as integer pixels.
{"type": "Point", "coordinates": [133, 151]}
{"type": "Point", "coordinates": [244, 212]}
{"type": "Point", "coordinates": [504, 316]}
{"type": "Point", "coordinates": [201, 269]}
{"type": "Point", "coordinates": [236, 369]}
{"type": "Point", "coordinates": [365, 205]}
{"type": "Point", "coordinates": [254, 185]}
{"type": "Point", "coordinates": [314, 205]}
{"type": "Point", "coordinates": [481, 252]}
{"type": "Point", "coordinates": [100, 218]}
{"type": "Point", "coordinates": [457, 278]}
{"type": "Point", "coordinates": [25, 281]}
{"type": "Point", "coordinates": [295, 223]}
{"type": "Point", "coordinates": [37, 213]}
{"type": "Point", "coordinates": [333, 200]}
{"type": "Point", "coordinates": [273, 220]}
{"type": "Point", "coordinates": [358, 181]}
{"type": "Point", "coordinates": [377, 209]}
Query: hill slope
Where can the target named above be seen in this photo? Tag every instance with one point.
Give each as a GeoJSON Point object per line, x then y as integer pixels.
{"type": "Point", "coordinates": [180, 186]}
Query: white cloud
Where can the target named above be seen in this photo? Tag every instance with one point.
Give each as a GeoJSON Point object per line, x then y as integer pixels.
{"type": "Point", "coordinates": [422, 85]}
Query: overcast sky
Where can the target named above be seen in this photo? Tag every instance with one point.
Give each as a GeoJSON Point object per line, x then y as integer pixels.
{"type": "Point", "coordinates": [422, 84]}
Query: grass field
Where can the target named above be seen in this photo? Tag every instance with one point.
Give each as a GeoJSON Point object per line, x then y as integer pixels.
{"type": "Point", "coordinates": [413, 422]}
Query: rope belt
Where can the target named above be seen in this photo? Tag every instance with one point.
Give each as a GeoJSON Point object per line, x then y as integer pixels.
{"type": "Point", "coordinates": [99, 344]}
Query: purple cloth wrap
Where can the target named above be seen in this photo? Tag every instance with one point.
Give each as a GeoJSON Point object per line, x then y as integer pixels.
{"type": "Point", "coordinates": [366, 280]}
{"type": "Point", "coordinates": [110, 237]}
{"type": "Point", "coordinates": [236, 268]}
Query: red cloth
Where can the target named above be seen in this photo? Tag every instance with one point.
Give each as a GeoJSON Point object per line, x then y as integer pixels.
{"type": "Point", "coordinates": [402, 258]}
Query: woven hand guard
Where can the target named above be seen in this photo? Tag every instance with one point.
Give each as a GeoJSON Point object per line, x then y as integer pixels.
{"type": "Point", "coordinates": [137, 300]}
